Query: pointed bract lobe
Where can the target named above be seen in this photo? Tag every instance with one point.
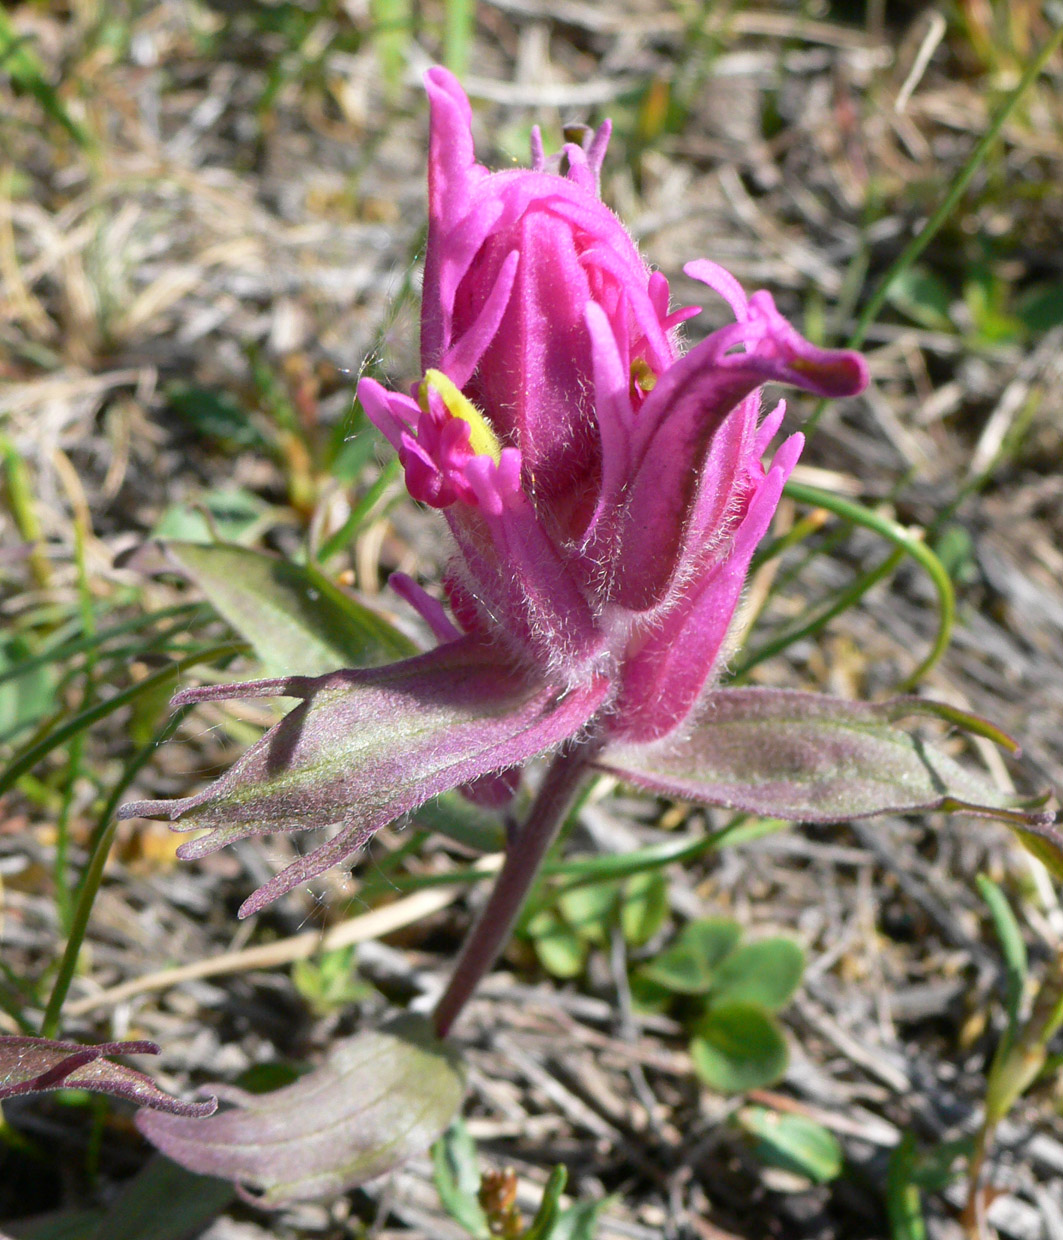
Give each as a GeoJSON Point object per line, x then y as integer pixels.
{"type": "Point", "coordinates": [40, 1065]}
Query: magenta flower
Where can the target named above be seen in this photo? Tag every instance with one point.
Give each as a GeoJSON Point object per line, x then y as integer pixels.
{"type": "Point", "coordinates": [605, 491]}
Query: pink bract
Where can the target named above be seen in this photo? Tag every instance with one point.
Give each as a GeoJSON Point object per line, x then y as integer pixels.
{"type": "Point", "coordinates": [611, 531]}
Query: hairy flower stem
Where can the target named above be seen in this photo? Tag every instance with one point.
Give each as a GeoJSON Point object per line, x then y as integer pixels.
{"type": "Point", "coordinates": [524, 856]}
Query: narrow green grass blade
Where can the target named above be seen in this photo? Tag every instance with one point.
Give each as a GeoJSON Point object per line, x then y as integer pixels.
{"type": "Point", "coordinates": [946, 207]}
{"type": "Point", "coordinates": [1013, 948]}
{"type": "Point", "coordinates": [76, 751]}
{"type": "Point", "coordinates": [28, 758]}
{"type": "Point", "coordinates": [459, 21]}
{"type": "Point", "coordinates": [360, 513]}
{"type": "Point", "coordinates": [840, 603]}
{"type": "Point", "coordinates": [392, 32]}
{"type": "Point", "coordinates": [906, 543]}
{"type": "Point", "coordinates": [903, 1200]}
{"type": "Point", "coordinates": [99, 848]}
{"type": "Point", "coordinates": [951, 200]}
{"type": "Point", "coordinates": [60, 651]}
{"type": "Point", "coordinates": [17, 483]}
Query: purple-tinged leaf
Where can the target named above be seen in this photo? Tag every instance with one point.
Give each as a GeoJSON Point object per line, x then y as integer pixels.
{"type": "Point", "coordinates": [379, 1098]}
{"type": "Point", "coordinates": [37, 1065]}
{"type": "Point", "coordinates": [299, 622]}
{"type": "Point", "coordinates": [367, 746]}
{"type": "Point", "coordinates": [812, 758]}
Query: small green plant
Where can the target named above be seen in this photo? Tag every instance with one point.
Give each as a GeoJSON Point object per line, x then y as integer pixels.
{"type": "Point", "coordinates": [330, 981]}
{"type": "Point", "coordinates": [726, 993]}
{"type": "Point", "coordinates": [564, 929]}
{"type": "Point", "coordinates": [1021, 1059]}
{"type": "Point", "coordinates": [485, 1202]}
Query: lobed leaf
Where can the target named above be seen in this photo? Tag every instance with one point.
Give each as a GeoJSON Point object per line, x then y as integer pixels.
{"type": "Point", "coordinates": [377, 1099]}
{"type": "Point", "coordinates": [811, 758]}
{"type": "Point", "coordinates": [365, 747]}
{"type": "Point", "coordinates": [39, 1065]}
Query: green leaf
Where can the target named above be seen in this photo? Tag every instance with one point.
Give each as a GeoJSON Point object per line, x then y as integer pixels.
{"type": "Point", "coordinates": [67, 1225]}
{"type": "Point", "coordinates": [904, 1204]}
{"type": "Point", "coordinates": [542, 1226]}
{"type": "Point", "coordinates": [377, 1099]}
{"type": "Point", "coordinates": [794, 1143]}
{"type": "Point", "coordinates": [645, 907]}
{"type": "Point", "coordinates": [688, 965]}
{"type": "Point", "coordinates": [1042, 308]}
{"type": "Point", "coordinates": [233, 515]}
{"type": "Point", "coordinates": [580, 1221]}
{"type": "Point", "coordinates": [164, 1202]}
{"type": "Point", "coordinates": [590, 909]}
{"type": "Point", "coordinates": [766, 973]}
{"type": "Point", "coordinates": [25, 696]}
{"type": "Point", "coordinates": [21, 64]}
{"type": "Point", "coordinates": [941, 1164]}
{"type": "Point", "coordinates": [457, 1178]}
{"type": "Point", "coordinates": [924, 298]}
{"type": "Point", "coordinates": [331, 981]}
{"type": "Point", "coordinates": [812, 758]}
{"type": "Point", "coordinates": [738, 1046]}
{"type": "Point", "coordinates": [456, 817]}
{"type": "Point", "coordinates": [216, 415]}
{"type": "Point", "coordinates": [561, 951]}
{"type": "Point", "coordinates": [298, 622]}
{"type": "Point", "coordinates": [649, 996]}
{"type": "Point", "coordinates": [1012, 945]}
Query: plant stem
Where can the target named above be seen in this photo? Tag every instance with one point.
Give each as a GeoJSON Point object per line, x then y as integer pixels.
{"type": "Point", "coordinates": [523, 858]}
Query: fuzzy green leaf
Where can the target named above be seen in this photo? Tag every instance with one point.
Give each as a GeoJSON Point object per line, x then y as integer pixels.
{"type": "Point", "coordinates": [40, 1065]}
{"type": "Point", "coordinates": [297, 621]}
{"type": "Point", "coordinates": [811, 758]}
{"type": "Point", "coordinates": [368, 745]}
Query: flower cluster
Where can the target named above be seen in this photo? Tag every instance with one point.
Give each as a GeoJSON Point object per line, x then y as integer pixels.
{"type": "Point", "coordinates": [605, 490]}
